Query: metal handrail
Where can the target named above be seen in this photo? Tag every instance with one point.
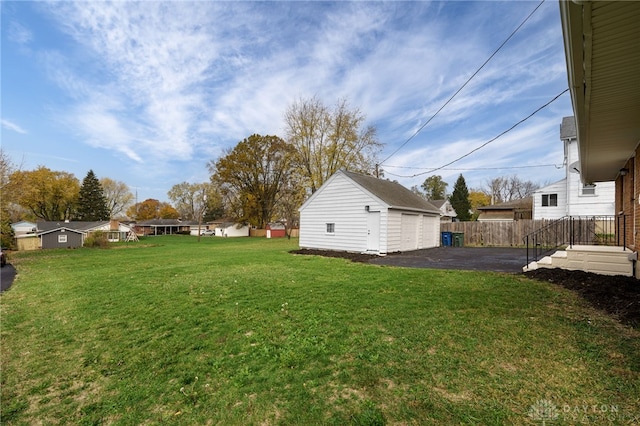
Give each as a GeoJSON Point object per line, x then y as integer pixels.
{"type": "Point", "coordinates": [572, 230]}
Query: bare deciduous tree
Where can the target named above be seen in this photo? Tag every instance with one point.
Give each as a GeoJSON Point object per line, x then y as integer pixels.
{"type": "Point", "coordinates": [508, 188]}
{"type": "Point", "coordinates": [118, 196]}
{"type": "Point", "coordinates": [327, 140]}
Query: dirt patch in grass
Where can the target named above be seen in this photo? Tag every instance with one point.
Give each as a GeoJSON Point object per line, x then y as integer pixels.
{"type": "Point", "coordinates": [354, 257]}
{"type": "Point", "coordinates": [617, 295]}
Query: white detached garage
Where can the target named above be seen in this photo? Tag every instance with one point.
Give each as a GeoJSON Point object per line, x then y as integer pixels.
{"type": "Point", "coordinates": [357, 213]}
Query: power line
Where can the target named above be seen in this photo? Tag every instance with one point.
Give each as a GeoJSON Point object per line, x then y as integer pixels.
{"type": "Point", "coordinates": [493, 139]}
{"type": "Point", "coordinates": [533, 166]}
{"type": "Point", "coordinates": [465, 84]}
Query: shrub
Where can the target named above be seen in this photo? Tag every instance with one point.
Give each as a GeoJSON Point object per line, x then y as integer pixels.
{"type": "Point", "coordinates": [97, 239]}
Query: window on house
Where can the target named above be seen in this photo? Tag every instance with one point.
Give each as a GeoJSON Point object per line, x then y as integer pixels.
{"type": "Point", "coordinates": [588, 190]}
{"type": "Point", "coordinates": [549, 200]}
{"type": "Point", "coordinates": [331, 228]}
{"type": "Point", "coordinates": [62, 239]}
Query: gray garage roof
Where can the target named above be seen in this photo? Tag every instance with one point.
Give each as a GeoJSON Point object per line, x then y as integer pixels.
{"type": "Point", "coordinates": [392, 193]}
{"type": "Point", "coordinates": [77, 226]}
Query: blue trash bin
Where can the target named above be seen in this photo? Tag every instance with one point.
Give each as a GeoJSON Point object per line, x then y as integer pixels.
{"type": "Point", "coordinates": [447, 238]}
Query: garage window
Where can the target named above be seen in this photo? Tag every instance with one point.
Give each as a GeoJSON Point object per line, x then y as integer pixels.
{"type": "Point", "coordinates": [62, 239]}
{"type": "Point", "coordinates": [331, 228]}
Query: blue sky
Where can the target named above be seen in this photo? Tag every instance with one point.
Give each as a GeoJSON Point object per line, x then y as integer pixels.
{"type": "Point", "coordinates": [148, 92]}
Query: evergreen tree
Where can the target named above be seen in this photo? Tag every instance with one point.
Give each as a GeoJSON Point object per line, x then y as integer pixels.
{"type": "Point", "coordinates": [460, 199]}
{"type": "Point", "coordinates": [92, 204]}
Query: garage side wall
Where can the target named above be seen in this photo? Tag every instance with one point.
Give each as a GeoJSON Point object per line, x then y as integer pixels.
{"type": "Point", "coordinates": [343, 204]}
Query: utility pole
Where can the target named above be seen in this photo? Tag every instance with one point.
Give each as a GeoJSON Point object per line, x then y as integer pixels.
{"type": "Point", "coordinates": [201, 210]}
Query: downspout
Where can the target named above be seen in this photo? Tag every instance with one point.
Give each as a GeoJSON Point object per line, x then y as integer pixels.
{"type": "Point", "coordinates": [567, 178]}
{"type": "Point", "coordinates": [634, 259]}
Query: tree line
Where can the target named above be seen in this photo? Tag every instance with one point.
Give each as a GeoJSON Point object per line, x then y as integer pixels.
{"type": "Point", "coordinates": [262, 179]}
{"type": "Point", "coordinates": [466, 202]}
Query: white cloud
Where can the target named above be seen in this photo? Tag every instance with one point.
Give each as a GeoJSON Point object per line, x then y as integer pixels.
{"type": "Point", "coordinates": [13, 127]}
{"type": "Point", "coordinates": [165, 82]}
{"type": "Point", "coordinates": [18, 33]}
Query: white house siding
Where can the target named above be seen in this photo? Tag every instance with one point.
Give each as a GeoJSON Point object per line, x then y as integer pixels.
{"type": "Point", "coordinates": [571, 200]}
{"type": "Point", "coordinates": [343, 204]}
{"type": "Point", "coordinates": [599, 204]}
{"type": "Point", "coordinates": [551, 212]}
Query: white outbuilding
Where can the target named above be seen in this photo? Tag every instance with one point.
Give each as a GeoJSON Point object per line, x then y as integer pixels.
{"type": "Point", "coordinates": [363, 214]}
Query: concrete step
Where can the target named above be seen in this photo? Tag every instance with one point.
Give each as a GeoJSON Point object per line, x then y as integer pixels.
{"type": "Point", "coordinates": [559, 259]}
{"type": "Point", "coordinates": [545, 262]}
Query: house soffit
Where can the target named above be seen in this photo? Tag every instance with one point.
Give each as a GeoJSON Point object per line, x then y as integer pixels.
{"type": "Point", "coordinates": [603, 65]}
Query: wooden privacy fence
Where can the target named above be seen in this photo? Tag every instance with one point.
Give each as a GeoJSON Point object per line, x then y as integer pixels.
{"type": "Point", "coordinates": [495, 234]}
{"type": "Point", "coordinates": [255, 232]}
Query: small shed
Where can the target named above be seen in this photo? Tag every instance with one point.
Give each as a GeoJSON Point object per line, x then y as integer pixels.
{"type": "Point", "coordinates": [61, 237]}
{"type": "Point", "coordinates": [363, 214]}
{"type": "Point", "coordinates": [231, 229]}
{"type": "Point", "coordinates": [276, 230]}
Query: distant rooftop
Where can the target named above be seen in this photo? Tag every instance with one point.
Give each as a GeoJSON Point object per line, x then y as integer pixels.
{"type": "Point", "coordinates": [568, 128]}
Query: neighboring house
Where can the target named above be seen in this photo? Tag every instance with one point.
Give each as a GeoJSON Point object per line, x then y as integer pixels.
{"type": "Point", "coordinates": [193, 227]}
{"type": "Point", "coordinates": [570, 196]}
{"type": "Point", "coordinates": [507, 212]}
{"type": "Point", "coordinates": [357, 213]}
{"type": "Point", "coordinates": [23, 228]}
{"type": "Point", "coordinates": [447, 212]}
{"type": "Point", "coordinates": [73, 234]}
{"type": "Point", "coordinates": [163, 227]}
{"type": "Point", "coordinates": [116, 231]}
{"type": "Point", "coordinates": [603, 68]}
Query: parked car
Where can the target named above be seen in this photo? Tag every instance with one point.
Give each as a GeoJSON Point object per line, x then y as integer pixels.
{"type": "Point", "coordinates": [209, 232]}
{"type": "Point", "coordinates": [3, 257]}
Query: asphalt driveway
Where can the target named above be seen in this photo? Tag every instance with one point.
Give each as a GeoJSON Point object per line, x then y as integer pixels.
{"type": "Point", "coordinates": [498, 259]}
{"type": "Point", "coordinates": [7, 275]}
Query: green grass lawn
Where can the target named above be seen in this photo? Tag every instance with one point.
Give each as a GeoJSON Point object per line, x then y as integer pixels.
{"type": "Point", "coordinates": [240, 331]}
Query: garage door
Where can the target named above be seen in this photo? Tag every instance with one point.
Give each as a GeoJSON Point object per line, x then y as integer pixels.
{"type": "Point", "coordinates": [409, 232]}
{"type": "Point", "coordinates": [430, 231]}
